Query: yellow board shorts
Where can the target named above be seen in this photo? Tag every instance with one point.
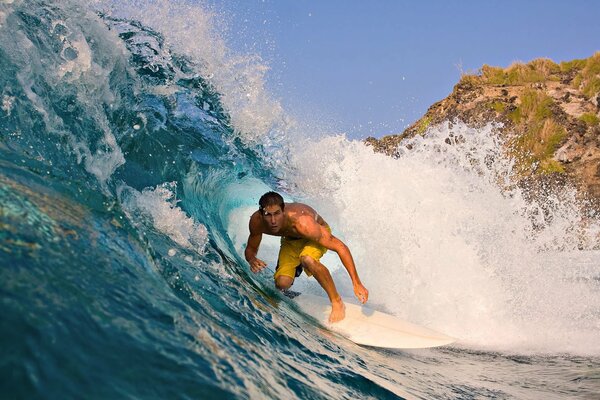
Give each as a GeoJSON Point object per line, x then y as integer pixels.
{"type": "Point", "coordinates": [288, 262]}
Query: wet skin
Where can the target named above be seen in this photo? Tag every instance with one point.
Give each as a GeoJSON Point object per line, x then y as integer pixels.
{"type": "Point", "coordinates": [297, 220]}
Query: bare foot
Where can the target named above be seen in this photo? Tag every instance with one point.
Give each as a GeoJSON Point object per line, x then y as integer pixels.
{"type": "Point", "coordinates": [338, 310]}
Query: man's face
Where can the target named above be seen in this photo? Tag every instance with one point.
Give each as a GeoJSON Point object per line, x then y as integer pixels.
{"type": "Point", "coordinates": [273, 217]}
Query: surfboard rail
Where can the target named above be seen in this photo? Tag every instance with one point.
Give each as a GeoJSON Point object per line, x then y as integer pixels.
{"type": "Point", "coordinates": [365, 326]}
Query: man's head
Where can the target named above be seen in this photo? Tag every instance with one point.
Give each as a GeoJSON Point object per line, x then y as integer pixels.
{"type": "Point", "coordinates": [271, 207]}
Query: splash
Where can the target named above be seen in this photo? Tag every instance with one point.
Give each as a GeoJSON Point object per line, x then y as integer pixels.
{"type": "Point", "coordinates": [190, 29]}
{"type": "Point", "coordinates": [159, 206]}
{"type": "Point", "coordinates": [443, 238]}
{"type": "Point", "coordinates": [55, 52]}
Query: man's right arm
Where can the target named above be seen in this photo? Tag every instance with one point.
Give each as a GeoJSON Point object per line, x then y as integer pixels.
{"type": "Point", "coordinates": [256, 265]}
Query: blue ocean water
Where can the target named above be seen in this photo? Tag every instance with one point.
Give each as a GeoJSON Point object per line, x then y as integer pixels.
{"type": "Point", "coordinates": [134, 145]}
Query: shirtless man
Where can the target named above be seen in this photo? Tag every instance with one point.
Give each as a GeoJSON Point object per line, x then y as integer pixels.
{"type": "Point", "coordinates": [305, 237]}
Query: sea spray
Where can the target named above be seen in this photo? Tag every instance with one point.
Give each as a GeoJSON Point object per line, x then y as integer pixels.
{"type": "Point", "coordinates": [63, 80]}
{"type": "Point", "coordinates": [189, 28]}
{"type": "Point", "coordinates": [159, 206]}
{"type": "Point", "coordinates": [443, 237]}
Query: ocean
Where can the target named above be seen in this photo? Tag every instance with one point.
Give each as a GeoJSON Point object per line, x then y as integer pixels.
{"type": "Point", "coordinates": [134, 147]}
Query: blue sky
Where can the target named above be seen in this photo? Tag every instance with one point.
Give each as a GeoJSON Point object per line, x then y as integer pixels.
{"type": "Point", "coordinates": [371, 68]}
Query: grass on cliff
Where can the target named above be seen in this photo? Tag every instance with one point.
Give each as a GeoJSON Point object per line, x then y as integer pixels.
{"type": "Point", "coordinates": [423, 125]}
{"type": "Point", "coordinates": [587, 78]}
{"type": "Point", "coordinates": [590, 76]}
{"type": "Point", "coordinates": [586, 74]}
{"type": "Point", "coordinates": [498, 106]}
{"type": "Point", "coordinates": [542, 135]}
{"type": "Point", "coordinates": [537, 146]}
{"type": "Point", "coordinates": [534, 108]}
{"type": "Point", "coordinates": [573, 65]}
{"type": "Point", "coordinates": [539, 70]}
{"type": "Point", "coordinates": [590, 119]}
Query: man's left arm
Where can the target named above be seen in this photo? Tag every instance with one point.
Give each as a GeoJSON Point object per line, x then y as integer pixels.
{"type": "Point", "coordinates": [326, 239]}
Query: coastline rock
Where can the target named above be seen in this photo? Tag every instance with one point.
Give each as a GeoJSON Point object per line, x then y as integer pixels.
{"type": "Point", "coordinates": [550, 115]}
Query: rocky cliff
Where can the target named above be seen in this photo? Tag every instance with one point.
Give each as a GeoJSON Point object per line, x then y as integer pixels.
{"type": "Point", "coordinates": [550, 114]}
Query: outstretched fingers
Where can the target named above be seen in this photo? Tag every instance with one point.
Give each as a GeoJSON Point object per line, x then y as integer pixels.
{"type": "Point", "coordinates": [257, 265]}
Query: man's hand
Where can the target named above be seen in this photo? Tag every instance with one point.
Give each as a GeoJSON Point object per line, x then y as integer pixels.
{"type": "Point", "coordinates": [257, 265]}
{"type": "Point", "coordinates": [361, 292]}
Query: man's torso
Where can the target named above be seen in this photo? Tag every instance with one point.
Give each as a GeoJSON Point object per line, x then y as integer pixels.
{"type": "Point", "coordinates": [295, 213]}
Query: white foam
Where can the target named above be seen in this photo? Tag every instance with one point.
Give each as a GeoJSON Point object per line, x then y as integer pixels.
{"type": "Point", "coordinates": [190, 29]}
{"type": "Point", "coordinates": [7, 104]}
{"type": "Point", "coordinates": [3, 17]}
{"type": "Point", "coordinates": [160, 205]}
{"type": "Point", "coordinates": [76, 66]}
{"type": "Point", "coordinates": [441, 238]}
{"type": "Point", "coordinates": [77, 57]}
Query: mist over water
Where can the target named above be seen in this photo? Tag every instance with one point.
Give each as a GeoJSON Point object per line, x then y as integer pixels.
{"type": "Point", "coordinates": [135, 145]}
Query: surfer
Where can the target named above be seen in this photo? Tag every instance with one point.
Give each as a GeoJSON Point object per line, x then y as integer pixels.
{"type": "Point", "coordinates": [305, 237]}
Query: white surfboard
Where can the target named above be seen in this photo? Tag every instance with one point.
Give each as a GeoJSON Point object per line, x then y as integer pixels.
{"type": "Point", "coordinates": [368, 327]}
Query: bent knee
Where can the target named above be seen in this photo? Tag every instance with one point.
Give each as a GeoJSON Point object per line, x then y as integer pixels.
{"type": "Point", "coordinates": [306, 260]}
{"type": "Point", "coordinates": [309, 263]}
{"type": "Point", "coordinates": [283, 282]}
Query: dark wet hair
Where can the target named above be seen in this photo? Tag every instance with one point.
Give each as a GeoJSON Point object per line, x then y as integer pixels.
{"type": "Point", "coordinates": [270, 199]}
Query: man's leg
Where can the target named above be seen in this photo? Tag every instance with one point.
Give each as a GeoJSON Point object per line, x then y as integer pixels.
{"type": "Point", "coordinates": [284, 282]}
{"type": "Point", "coordinates": [287, 260]}
{"type": "Point", "coordinates": [322, 275]}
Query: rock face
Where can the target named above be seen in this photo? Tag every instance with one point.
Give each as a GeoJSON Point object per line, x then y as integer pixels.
{"type": "Point", "coordinates": [550, 115]}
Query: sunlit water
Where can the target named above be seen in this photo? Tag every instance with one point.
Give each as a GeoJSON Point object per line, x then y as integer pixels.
{"type": "Point", "coordinates": [134, 147]}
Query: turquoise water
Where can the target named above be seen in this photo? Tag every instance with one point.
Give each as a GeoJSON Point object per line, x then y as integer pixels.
{"type": "Point", "coordinates": [131, 158]}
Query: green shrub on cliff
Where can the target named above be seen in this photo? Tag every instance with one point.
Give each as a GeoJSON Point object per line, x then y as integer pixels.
{"type": "Point", "coordinates": [537, 145]}
{"type": "Point", "coordinates": [551, 166]}
{"type": "Point", "coordinates": [590, 119]}
{"type": "Point", "coordinates": [498, 106]}
{"type": "Point", "coordinates": [568, 66]}
{"type": "Point", "coordinates": [591, 87]}
{"type": "Point", "coordinates": [545, 65]}
{"type": "Point", "coordinates": [492, 75]}
{"type": "Point", "coordinates": [542, 135]}
{"type": "Point", "coordinates": [539, 70]}
{"type": "Point", "coordinates": [534, 107]}
{"type": "Point", "coordinates": [588, 78]}
{"type": "Point", "coordinates": [423, 125]}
